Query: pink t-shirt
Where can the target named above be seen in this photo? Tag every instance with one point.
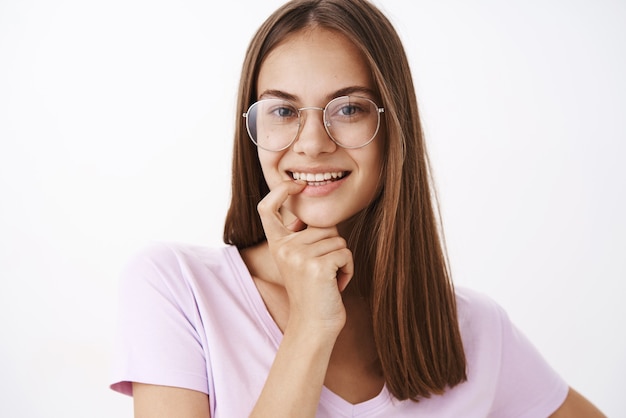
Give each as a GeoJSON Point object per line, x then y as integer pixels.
{"type": "Point", "coordinates": [192, 317]}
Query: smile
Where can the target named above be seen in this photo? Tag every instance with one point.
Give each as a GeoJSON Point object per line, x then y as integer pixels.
{"type": "Point", "coordinates": [319, 179]}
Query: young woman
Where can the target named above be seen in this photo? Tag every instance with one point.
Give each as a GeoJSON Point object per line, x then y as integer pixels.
{"type": "Point", "coordinates": [332, 297]}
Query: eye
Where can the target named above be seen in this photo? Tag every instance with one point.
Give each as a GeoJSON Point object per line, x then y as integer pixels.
{"type": "Point", "coordinates": [277, 111]}
{"type": "Point", "coordinates": [349, 110]}
{"type": "Point", "coordinates": [285, 112]}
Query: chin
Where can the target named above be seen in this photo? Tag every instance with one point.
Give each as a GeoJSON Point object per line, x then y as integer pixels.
{"type": "Point", "coordinates": [323, 215]}
{"type": "Point", "coordinates": [324, 219]}
{"type": "Point", "coordinates": [317, 221]}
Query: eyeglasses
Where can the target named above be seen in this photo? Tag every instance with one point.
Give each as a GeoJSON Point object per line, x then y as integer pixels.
{"type": "Point", "coordinates": [350, 121]}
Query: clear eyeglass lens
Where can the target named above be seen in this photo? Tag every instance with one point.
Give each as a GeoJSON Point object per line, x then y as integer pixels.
{"type": "Point", "coordinates": [350, 121]}
{"type": "Point", "coordinates": [273, 123]}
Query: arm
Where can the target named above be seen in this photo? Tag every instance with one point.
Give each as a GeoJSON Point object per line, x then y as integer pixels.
{"type": "Point", "coordinates": [159, 340]}
{"type": "Point", "coordinates": [316, 265]}
{"type": "Point", "coordinates": [295, 381]}
{"type": "Point", "coordinates": [313, 265]}
{"type": "Point", "coordinates": [576, 406]}
{"type": "Point", "coordinates": [292, 389]}
{"type": "Point", "coordinates": [152, 401]}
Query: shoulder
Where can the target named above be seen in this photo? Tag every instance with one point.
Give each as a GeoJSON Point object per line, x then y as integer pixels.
{"type": "Point", "coordinates": [172, 266]}
{"type": "Point", "coordinates": [176, 257]}
{"type": "Point", "coordinates": [502, 360]}
{"type": "Point", "coordinates": [165, 254]}
{"type": "Point", "coordinates": [483, 324]}
{"type": "Point", "coordinates": [164, 291]}
{"type": "Point", "coordinates": [474, 306]}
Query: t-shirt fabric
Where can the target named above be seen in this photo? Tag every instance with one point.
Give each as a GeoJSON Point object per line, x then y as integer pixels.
{"type": "Point", "coordinates": [192, 317]}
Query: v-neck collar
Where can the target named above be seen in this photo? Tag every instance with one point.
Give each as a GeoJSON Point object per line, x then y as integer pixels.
{"type": "Point", "coordinates": [328, 397]}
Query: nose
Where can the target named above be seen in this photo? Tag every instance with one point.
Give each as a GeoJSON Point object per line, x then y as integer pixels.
{"type": "Point", "coordinates": [313, 139]}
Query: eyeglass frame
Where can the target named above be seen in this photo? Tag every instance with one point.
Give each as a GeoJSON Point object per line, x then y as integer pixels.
{"type": "Point", "coordinates": [326, 124]}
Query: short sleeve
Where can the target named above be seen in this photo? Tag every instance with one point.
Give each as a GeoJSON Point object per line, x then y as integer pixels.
{"type": "Point", "coordinates": [158, 339]}
{"type": "Point", "coordinates": [527, 386]}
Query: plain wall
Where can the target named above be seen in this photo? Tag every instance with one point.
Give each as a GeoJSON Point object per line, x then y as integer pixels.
{"type": "Point", "coordinates": [116, 123]}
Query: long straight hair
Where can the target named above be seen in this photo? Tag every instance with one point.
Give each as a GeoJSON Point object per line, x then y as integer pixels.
{"type": "Point", "coordinates": [397, 240]}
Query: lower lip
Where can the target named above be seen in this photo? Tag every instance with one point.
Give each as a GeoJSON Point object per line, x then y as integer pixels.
{"type": "Point", "coordinates": [323, 189]}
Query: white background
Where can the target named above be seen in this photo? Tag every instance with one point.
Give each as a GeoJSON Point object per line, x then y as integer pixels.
{"type": "Point", "coordinates": [116, 123]}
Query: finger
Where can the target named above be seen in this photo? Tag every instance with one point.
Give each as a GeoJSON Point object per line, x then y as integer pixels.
{"type": "Point", "coordinates": [326, 245]}
{"type": "Point", "coordinates": [290, 220]}
{"type": "Point", "coordinates": [269, 206]}
{"type": "Point", "coordinates": [341, 266]}
{"type": "Point", "coordinates": [296, 225]}
{"type": "Point", "coordinates": [296, 252]}
{"type": "Point", "coordinates": [309, 235]}
{"type": "Point", "coordinates": [344, 264]}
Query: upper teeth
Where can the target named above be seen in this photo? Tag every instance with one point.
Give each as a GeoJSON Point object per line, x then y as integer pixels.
{"type": "Point", "coordinates": [317, 176]}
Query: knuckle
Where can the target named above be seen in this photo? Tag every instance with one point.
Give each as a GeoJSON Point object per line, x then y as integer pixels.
{"type": "Point", "coordinates": [347, 252]}
{"type": "Point", "coordinates": [290, 255]}
{"type": "Point", "coordinates": [262, 206]}
{"type": "Point", "coordinates": [319, 267]}
{"type": "Point", "coordinates": [341, 242]}
{"type": "Point", "coordinates": [283, 252]}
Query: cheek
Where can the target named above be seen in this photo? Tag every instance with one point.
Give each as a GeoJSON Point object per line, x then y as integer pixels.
{"type": "Point", "coordinates": [269, 166]}
{"type": "Point", "coordinates": [376, 172]}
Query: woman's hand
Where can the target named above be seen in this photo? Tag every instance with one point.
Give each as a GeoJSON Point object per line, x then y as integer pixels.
{"type": "Point", "coordinates": [314, 264]}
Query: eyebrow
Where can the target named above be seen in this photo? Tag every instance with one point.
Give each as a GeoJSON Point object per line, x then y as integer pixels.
{"type": "Point", "coordinates": [278, 94]}
{"type": "Point", "coordinates": [345, 91]}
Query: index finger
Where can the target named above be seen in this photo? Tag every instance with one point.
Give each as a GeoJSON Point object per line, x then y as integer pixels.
{"type": "Point", "coordinates": [269, 206]}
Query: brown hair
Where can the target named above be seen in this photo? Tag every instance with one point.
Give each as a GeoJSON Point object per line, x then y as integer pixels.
{"type": "Point", "coordinates": [397, 242]}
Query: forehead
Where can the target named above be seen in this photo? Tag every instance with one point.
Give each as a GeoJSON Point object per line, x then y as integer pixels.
{"type": "Point", "coordinates": [313, 64]}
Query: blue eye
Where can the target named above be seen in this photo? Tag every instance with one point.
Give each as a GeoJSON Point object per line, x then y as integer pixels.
{"type": "Point", "coordinates": [285, 112]}
{"type": "Point", "coordinates": [348, 110]}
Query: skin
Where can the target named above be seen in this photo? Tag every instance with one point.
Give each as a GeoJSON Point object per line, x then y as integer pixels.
{"type": "Point", "coordinates": [303, 268]}
{"type": "Point", "coordinates": [305, 264]}
{"type": "Point", "coordinates": [304, 69]}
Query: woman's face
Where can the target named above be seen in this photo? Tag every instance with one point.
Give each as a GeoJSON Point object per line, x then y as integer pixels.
{"type": "Point", "coordinates": [312, 67]}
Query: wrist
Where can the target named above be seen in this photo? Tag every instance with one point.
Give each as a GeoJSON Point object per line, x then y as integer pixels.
{"type": "Point", "coordinates": [314, 331]}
